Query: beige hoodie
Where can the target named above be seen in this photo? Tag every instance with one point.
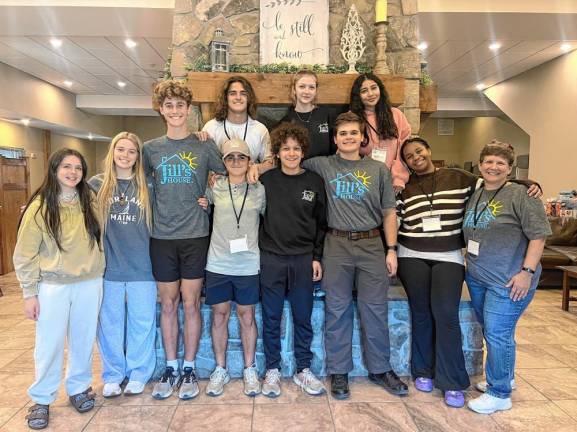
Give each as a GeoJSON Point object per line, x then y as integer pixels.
{"type": "Point", "coordinates": [38, 259]}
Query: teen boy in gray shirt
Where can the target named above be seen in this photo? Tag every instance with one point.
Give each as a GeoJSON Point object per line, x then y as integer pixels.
{"type": "Point", "coordinates": [176, 166]}
{"type": "Point", "coordinates": [360, 199]}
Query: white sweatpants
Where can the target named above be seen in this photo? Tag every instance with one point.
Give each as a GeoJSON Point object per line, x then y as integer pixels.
{"type": "Point", "coordinates": [67, 311]}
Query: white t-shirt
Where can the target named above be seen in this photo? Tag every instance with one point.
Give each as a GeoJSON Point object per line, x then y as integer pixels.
{"type": "Point", "coordinates": [257, 136]}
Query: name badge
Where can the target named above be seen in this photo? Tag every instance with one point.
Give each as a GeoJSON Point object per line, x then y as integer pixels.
{"type": "Point", "coordinates": [431, 223]}
{"type": "Point", "coordinates": [379, 155]}
{"type": "Point", "coordinates": [473, 247]}
{"type": "Point", "coordinates": [238, 245]}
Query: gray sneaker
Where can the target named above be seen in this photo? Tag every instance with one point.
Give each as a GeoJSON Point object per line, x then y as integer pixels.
{"type": "Point", "coordinates": [165, 386]}
{"type": "Point", "coordinates": [188, 384]}
{"type": "Point", "coordinates": [271, 383]}
{"type": "Point", "coordinates": [251, 382]}
{"type": "Point", "coordinates": [308, 382]}
{"type": "Point", "coordinates": [218, 378]}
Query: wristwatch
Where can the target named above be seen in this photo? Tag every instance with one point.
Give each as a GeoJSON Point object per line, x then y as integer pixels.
{"type": "Point", "coordinates": [528, 270]}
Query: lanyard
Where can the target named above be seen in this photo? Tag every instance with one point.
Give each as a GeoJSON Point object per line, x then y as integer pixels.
{"type": "Point", "coordinates": [432, 196]}
{"type": "Point", "coordinates": [476, 216]}
{"type": "Point", "coordinates": [245, 130]}
{"type": "Point", "coordinates": [237, 215]}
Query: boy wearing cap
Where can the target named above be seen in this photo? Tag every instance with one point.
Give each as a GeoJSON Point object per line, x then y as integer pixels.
{"type": "Point", "coordinates": [177, 166]}
{"type": "Point", "coordinates": [233, 263]}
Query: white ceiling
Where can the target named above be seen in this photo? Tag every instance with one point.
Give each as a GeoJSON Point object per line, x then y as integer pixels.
{"type": "Point", "coordinates": [458, 53]}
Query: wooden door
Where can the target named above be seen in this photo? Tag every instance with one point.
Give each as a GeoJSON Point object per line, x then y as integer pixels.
{"type": "Point", "coordinates": [14, 192]}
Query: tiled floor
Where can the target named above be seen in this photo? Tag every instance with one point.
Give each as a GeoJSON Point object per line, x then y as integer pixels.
{"type": "Point", "coordinates": [546, 398]}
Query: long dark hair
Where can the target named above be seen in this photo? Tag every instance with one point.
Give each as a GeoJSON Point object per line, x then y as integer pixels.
{"type": "Point", "coordinates": [49, 193]}
{"type": "Point", "coordinates": [221, 111]}
{"type": "Point", "coordinates": [386, 127]}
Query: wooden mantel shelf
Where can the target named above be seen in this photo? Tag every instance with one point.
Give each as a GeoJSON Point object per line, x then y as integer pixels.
{"type": "Point", "coordinates": [273, 89]}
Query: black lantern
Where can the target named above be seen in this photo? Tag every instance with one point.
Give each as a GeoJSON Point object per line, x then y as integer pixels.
{"type": "Point", "coordinates": [219, 52]}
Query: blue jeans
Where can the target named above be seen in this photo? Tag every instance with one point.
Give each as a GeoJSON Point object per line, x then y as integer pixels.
{"type": "Point", "coordinates": [498, 316]}
{"type": "Point", "coordinates": [134, 356]}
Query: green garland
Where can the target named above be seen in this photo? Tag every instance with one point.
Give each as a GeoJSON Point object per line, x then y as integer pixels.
{"type": "Point", "coordinates": [201, 64]}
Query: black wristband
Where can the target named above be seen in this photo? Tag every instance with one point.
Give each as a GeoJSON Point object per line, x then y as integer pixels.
{"type": "Point", "coordinates": [392, 247]}
{"type": "Point", "coordinates": [528, 270]}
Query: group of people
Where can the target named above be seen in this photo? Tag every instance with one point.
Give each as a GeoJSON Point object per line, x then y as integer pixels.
{"type": "Point", "coordinates": [289, 208]}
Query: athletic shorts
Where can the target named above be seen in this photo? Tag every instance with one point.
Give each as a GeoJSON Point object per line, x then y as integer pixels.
{"type": "Point", "coordinates": [173, 260]}
{"type": "Point", "coordinates": [244, 290]}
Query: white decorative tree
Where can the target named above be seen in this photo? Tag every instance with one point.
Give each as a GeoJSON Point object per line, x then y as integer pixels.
{"type": "Point", "coordinates": [352, 40]}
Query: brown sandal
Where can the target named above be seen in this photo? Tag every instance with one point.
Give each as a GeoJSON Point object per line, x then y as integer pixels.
{"type": "Point", "coordinates": [38, 416]}
{"type": "Point", "coordinates": [83, 402]}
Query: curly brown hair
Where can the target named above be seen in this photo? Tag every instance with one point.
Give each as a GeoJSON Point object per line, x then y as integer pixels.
{"type": "Point", "coordinates": [170, 89]}
{"type": "Point", "coordinates": [349, 117]}
{"type": "Point", "coordinates": [287, 130]}
{"type": "Point", "coordinates": [222, 104]}
{"type": "Point", "coordinates": [498, 148]}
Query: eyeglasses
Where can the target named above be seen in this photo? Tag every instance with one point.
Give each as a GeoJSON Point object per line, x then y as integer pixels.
{"type": "Point", "coordinates": [239, 158]}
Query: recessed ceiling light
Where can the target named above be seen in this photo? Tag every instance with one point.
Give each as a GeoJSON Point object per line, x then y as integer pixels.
{"type": "Point", "coordinates": [130, 43]}
{"type": "Point", "coordinates": [480, 86]}
{"type": "Point", "coordinates": [121, 84]}
{"type": "Point", "coordinates": [565, 47]}
{"type": "Point", "coordinates": [423, 46]}
{"type": "Point", "coordinates": [55, 42]}
{"type": "Point", "coordinates": [90, 136]}
{"type": "Point", "coordinates": [494, 46]}
{"type": "Point", "coordinates": [68, 83]}
{"type": "Point", "coordinates": [25, 121]}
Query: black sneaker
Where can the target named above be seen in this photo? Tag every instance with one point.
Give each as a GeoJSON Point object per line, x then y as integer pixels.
{"type": "Point", "coordinates": [391, 382]}
{"type": "Point", "coordinates": [188, 384]}
{"type": "Point", "coordinates": [340, 386]}
{"type": "Point", "coordinates": [165, 386]}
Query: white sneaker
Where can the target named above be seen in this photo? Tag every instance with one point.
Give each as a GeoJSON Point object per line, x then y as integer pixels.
{"type": "Point", "coordinates": [308, 382]}
{"type": "Point", "coordinates": [271, 383]}
{"type": "Point", "coordinates": [487, 404]}
{"type": "Point", "coordinates": [218, 378]}
{"type": "Point", "coordinates": [188, 384]}
{"type": "Point", "coordinates": [133, 388]}
{"type": "Point", "coordinates": [111, 390]}
{"type": "Point", "coordinates": [251, 382]}
{"type": "Point", "coordinates": [165, 386]}
{"type": "Point", "coordinates": [482, 386]}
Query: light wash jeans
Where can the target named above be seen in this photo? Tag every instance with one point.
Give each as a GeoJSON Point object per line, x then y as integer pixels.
{"type": "Point", "coordinates": [498, 315]}
{"type": "Point", "coordinates": [127, 353]}
{"type": "Point", "coordinates": [67, 311]}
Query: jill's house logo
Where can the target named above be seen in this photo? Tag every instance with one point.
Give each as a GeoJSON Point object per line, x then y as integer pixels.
{"type": "Point", "coordinates": [177, 168]}
{"type": "Point", "coordinates": [351, 186]}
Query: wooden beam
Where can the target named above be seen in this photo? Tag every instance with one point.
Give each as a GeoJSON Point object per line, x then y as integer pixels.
{"type": "Point", "coordinates": [274, 88]}
{"type": "Point", "coordinates": [428, 99]}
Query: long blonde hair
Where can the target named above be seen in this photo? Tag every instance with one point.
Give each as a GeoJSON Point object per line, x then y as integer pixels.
{"type": "Point", "coordinates": [110, 182]}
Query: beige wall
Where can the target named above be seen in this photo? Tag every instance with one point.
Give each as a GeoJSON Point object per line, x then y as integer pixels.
{"type": "Point", "coordinates": [543, 101]}
{"type": "Point", "coordinates": [471, 134]}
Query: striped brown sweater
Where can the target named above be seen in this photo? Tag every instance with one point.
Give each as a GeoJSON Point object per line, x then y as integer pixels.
{"type": "Point", "coordinates": [453, 187]}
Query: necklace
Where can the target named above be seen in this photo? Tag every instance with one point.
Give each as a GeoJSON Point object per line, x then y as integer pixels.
{"type": "Point", "coordinates": [68, 197]}
{"type": "Point", "coordinates": [122, 199]}
{"type": "Point", "coordinates": [308, 120]}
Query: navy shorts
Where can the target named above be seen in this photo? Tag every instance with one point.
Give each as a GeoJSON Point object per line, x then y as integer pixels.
{"type": "Point", "coordinates": [244, 290]}
{"type": "Point", "coordinates": [173, 260]}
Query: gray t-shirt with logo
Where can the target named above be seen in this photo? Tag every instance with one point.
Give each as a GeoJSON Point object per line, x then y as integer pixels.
{"type": "Point", "coordinates": [357, 191]}
{"type": "Point", "coordinates": [177, 172]}
{"type": "Point", "coordinates": [506, 222]}
{"type": "Point", "coordinates": [127, 239]}
{"type": "Point", "coordinates": [224, 228]}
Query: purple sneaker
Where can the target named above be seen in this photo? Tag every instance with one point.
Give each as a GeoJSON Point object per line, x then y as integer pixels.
{"type": "Point", "coordinates": [455, 398]}
{"type": "Point", "coordinates": [424, 384]}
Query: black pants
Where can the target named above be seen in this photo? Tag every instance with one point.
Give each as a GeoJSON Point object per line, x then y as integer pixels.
{"type": "Point", "coordinates": [434, 292]}
{"type": "Point", "coordinates": [289, 276]}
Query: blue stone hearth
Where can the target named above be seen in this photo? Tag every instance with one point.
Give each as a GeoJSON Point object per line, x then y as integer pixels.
{"type": "Point", "coordinates": [399, 330]}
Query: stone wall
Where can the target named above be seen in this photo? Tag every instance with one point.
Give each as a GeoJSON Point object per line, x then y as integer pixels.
{"type": "Point", "coordinates": [196, 20]}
